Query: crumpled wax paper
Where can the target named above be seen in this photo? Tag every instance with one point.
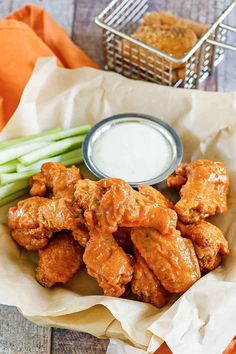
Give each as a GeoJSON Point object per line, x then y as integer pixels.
{"type": "Point", "coordinates": [203, 319]}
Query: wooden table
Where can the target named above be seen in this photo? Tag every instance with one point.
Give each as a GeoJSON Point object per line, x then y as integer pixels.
{"type": "Point", "coordinates": [17, 335]}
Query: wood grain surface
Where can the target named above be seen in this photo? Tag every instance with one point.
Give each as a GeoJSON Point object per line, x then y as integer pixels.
{"type": "Point", "coordinates": [18, 335]}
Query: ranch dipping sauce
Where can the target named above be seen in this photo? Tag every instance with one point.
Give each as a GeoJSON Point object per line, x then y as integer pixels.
{"type": "Point", "coordinates": [132, 151]}
{"type": "Point", "coordinates": [134, 147]}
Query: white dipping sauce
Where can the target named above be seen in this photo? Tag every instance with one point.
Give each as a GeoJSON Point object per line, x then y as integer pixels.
{"type": "Point", "coordinates": [132, 151]}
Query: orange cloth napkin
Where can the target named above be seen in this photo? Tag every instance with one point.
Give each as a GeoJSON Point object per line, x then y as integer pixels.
{"type": "Point", "coordinates": [26, 35]}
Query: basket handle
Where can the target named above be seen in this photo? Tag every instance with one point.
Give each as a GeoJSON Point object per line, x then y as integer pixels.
{"type": "Point", "coordinates": [221, 44]}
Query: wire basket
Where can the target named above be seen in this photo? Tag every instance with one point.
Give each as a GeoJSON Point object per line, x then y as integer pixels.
{"type": "Point", "coordinates": [135, 59]}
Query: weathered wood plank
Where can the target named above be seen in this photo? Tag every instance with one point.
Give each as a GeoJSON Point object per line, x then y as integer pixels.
{"type": "Point", "coordinates": [19, 336]}
{"type": "Point", "coordinates": [71, 342]}
{"type": "Point", "coordinates": [62, 11]}
{"type": "Point", "coordinates": [85, 32]}
{"type": "Point", "coordinates": [5, 7]}
{"type": "Point", "coordinates": [227, 69]}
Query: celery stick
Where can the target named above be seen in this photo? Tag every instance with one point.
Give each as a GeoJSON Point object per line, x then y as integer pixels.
{"type": "Point", "coordinates": [52, 149]}
{"type": "Point", "coordinates": [13, 187]}
{"type": "Point", "coordinates": [77, 153]}
{"type": "Point", "coordinates": [35, 137]}
{"type": "Point", "coordinates": [36, 166]}
{"type": "Point", "coordinates": [51, 135]}
{"type": "Point", "coordinates": [14, 177]}
{"type": "Point", "coordinates": [19, 150]}
{"type": "Point", "coordinates": [10, 198]}
{"type": "Point", "coordinates": [8, 167]}
{"type": "Point", "coordinates": [83, 129]}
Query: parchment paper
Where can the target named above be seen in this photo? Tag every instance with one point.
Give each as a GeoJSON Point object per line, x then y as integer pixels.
{"type": "Point", "coordinates": [203, 319]}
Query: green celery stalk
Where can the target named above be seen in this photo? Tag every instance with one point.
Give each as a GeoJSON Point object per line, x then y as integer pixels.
{"type": "Point", "coordinates": [83, 129]}
{"type": "Point", "coordinates": [10, 198]}
{"type": "Point", "coordinates": [35, 137]}
{"type": "Point", "coordinates": [8, 167]}
{"type": "Point", "coordinates": [11, 188]}
{"type": "Point", "coordinates": [51, 135]}
{"type": "Point", "coordinates": [14, 177]}
{"type": "Point", "coordinates": [77, 153]}
{"type": "Point", "coordinates": [52, 149]}
{"type": "Point", "coordinates": [18, 150]}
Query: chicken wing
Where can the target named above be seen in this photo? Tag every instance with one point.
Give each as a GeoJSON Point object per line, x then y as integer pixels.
{"type": "Point", "coordinates": [24, 224]}
{"type": "Point", "coordinates": [107, 263]}
{"type": "Point", "coordinates": [209, 243]}
{"type": "Point", "coordinates": [59, 260]}
{"type": "Point", "coordinates": [205, 190]}
{"type": "Point", "coordinates": [145, 284]}
{"type": "Point", "coordinates": [34, 220]}
{"type": "Point", "coordinates": [112, 203]}
{"type": "Point", "coordinates": [55, 180]}
{"type": "Point", "coordinates": [123, 206]}
{"type": "Point", "coordinates": [171, 258]}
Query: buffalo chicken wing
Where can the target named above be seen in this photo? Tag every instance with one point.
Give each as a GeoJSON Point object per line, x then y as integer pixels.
{"type": "Point", "coordinates": [112, 203]}
{"type": "Point", "coordinates": [209, 243]}
{"type": "Point", "coordinates": [107, 263]}
{"type": "Point", "coordinates": [55, 180]}
{"type": "Point", "coordinates": [24, 224]}
{"type": "Point", "coordinates": [35, 219]}
{"type": "Point", "coordinates": [204, 190]}
{"type": "Point", "coordinates": [171, 258]}
{"type": "Point", "coordinates": [59, 260]}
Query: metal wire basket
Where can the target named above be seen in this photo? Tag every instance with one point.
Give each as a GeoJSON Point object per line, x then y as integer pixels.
{"type": "Point", "coordinates": [137, 60]}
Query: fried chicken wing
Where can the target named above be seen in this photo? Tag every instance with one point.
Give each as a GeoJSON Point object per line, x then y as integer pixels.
{"type": "Point", "coordinates": [55, 180]}
{"type": "Point", "coordinates": [107, 263]}
{"type": "Point", "coordinates": [171, 258]}
{"type": "Point", "coordinates": [209, 243]}
{"type": "Point", "coordinates": [24, 224]}
{"type": "Point", "coordinates": [59, 260]}
{"type": "Point", "coordinates": [145, 284]}
{"type": "Point", "coordinates": [205, 190]}
{"type": "Point", "coordinates": [112, 203]}
{"type": "Point", "coordinates": [35, 219]}
{"type": "Point", "coordinates": [128, 208]}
